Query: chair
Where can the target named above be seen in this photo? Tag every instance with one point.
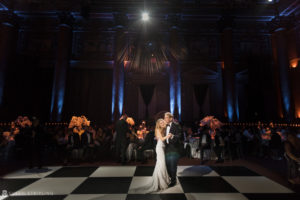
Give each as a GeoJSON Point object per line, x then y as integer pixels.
{"type": "Point", "coordinates": [149, 154]}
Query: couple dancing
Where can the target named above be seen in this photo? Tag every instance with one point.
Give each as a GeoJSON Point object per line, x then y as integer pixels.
{"type": "Point", "coordinates": [168, 135]}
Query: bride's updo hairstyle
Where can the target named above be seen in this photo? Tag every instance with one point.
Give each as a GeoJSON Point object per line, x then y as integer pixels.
{"type": "Point", "coordinates": [159, 128]}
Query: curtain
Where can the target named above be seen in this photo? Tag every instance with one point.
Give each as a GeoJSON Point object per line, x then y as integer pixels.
{"type": "Point", "coordinates": [200, 93]}
{"type": "Point", "coordinates": [28, 88]}
{"type": "Point", "coordinates": [89, 93]}
{"type": "Point", "coordinates": [147, 93]}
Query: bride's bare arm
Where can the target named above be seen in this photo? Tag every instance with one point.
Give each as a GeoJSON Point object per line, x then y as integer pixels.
{"type": "Point", "coordinates": [161, 137]}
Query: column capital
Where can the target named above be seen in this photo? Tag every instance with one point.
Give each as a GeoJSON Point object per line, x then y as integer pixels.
{"type": "Point", "coordinates": [66, 19]}
{"type": "Point", "coordinates": [120, 20]}
{"type": "Point", "coordinates": [174, 21]}
{"type": "Point", "coordinates": [8, 18]}
{"type": "Point", "coordinates": [226, 22]}
{"type": "Point", "coordinates": [280, 23]}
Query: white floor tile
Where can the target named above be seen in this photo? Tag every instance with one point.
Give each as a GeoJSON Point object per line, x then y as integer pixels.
{"type": "Point", "coordinates": [96, 197]}
{"type": "Point", "coordinates": [51, 186]}
{"type": "Point", "coordinates": [256, 184]}
{"type": "Point", "coordinates": [215, 196]}
{"type": "Point", "coordinates": [195, 171]}
{"type": "Point", "coordinates": [141, 181]}
{"type": "Point", "coordinates": [114, 171]}
{"type": "Point", "coordinates": [32, 173]}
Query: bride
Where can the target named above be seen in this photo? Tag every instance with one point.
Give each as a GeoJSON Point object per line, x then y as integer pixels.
{"type": "Point", "coordinates": [160, 178]}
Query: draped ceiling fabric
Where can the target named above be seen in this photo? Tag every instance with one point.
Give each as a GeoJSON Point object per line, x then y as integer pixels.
{"type": "Point", "coordinates": [147, 93]}
{"type": "Point", "coordinates": [89, 93]}
{"type": "Point", "coordinates": [200, 94]}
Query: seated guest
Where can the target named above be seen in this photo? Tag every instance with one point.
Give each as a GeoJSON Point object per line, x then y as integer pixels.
{"type": "Point", "coordinates": [292, 150]}
{"type": "Point", "coordinates": [275, 145]}
{"type": "Point", "coordinates": [76, 143]}
{"type": "Point", "coordinates": [187, 134]}
{"type": "Point", "coordinates": [147, 144]}
{"type": "Point", "coordinates": [98, 141]}
{"type": "Point", "coordinates": [38, 142]}
{"type": "Point", "coordinates": [7, 144]}
{"type": "Point", "coordinates": [62, 141]}
{"type": "Point", "coordinates": [88, 143]}
{"type": "Point", "coordinates": [204, 141]}
{"type": "Point", "coordinates": [133, 143]}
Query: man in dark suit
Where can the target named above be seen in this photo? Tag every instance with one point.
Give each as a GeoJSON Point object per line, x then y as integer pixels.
{"type": "Point", "coordinates": [173, 146]}
{"type": "Point", "coordinates": [121, 141]}
{"type": "Point", "coordinates": [147, 144]}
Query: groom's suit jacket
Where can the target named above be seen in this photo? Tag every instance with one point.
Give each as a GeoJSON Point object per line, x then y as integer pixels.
{"type": "Point", "coordinates": [174, 144]}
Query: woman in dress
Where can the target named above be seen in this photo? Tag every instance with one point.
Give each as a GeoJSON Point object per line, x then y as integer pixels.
{"type": "Point", "coordinates": [160, 178]}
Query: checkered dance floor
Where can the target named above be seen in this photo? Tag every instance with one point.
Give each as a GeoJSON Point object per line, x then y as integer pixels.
{"type": "Point", "coordinates": [115, 182]}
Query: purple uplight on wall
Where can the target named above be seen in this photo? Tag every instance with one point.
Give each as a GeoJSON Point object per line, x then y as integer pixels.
{"type": "Point", "coordinates": [121, 89]}
{"type": "Point", "coordinates": [172, 89]}
{"type": "Point", "coordinates": [113, 98]}
{"type": "Point", "coordinates": [230, 111]}
{"type": "Point", "coordinates": [179, 94]}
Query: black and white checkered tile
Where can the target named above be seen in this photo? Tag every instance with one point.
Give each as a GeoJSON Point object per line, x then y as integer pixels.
{"type": "Point", "coordinates": [115, 183]}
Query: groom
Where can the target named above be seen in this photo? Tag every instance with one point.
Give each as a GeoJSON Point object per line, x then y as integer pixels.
{"type": "Point", "coordinates": [172, 147]}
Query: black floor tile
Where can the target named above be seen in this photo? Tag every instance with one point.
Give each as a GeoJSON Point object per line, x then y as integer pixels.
{"type": "Point", "coordinates": [273, 196]}
{"type": "Point", "coordinates": [205, 185]}
{"type": "Point", "coordinates": [50, 197]}
{"type": "Point", "coordinates": [156, 197]}
{"type": "Point", "coordinates": [144, 171]}
{"type": "Point", "coordinates": [234, 171]}
{"type": "Point", "coordinates": [112, 185]}
{"type": "Point", "coordinates": [10, 186]}
{"type": "Point", "coordinates": [73, 172]}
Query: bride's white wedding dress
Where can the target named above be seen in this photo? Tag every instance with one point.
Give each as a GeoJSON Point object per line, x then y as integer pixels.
{"type": "Point", "coordinates": [160, 178]}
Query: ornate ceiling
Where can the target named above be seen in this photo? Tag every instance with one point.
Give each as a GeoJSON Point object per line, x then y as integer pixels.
{"type": "Point", "coordinates": [262, 9]}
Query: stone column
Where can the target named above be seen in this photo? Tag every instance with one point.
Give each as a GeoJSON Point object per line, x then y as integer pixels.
{"type": "Point", "coordinates": [294, 58]}
{"type": "Point", "coordinates": [118, 76]}
{"type": "Point", "coordinates": [64, 46]}
{"type": "Point", "coordinates": [175, 75]}
{"type": "Point", "coordinates": [228, 74]}
{"type": "Point", "coordinates": [8, 38]}
{"type": "Point", "coordinates": [280, 53]}
{"type": "Point", "coordinates": [219, 92]}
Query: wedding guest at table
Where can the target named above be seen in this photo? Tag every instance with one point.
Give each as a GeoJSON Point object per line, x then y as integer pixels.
{"type": "Point", "coordinates": [147, 144]}
{"type": "Point", "coordinates": [38, 135]}
{"type": "Point", "coordinates": [89, 145]}
{"type": "Point", "coordinates": [121, 141]}
{"type": "Point", "coordinates": [204, 142]}
{"type": "Point", "coordinates": [62, 142]}
{"type": "Point", "coordinates": [292, 150]}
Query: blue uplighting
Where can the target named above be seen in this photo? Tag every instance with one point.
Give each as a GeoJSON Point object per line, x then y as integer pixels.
{"type": "Point", "coordinates": [60, 103]}
{"type": "Point", "coordinates": [237, 110]}
{"type": "Point", "coordinates": [230, 111]}
{"type": "Point", "coordinates": [172, 94]}
{"type": "Point", "coordinates": [113, 96]}
{"type": "Point", "coordinates": [179, 95]}
{"type": "Point", "coordinates": [3, 7]}
{"type": "Point", "coordinates": [57, 98]}
{"type": "Point", "coordinates": [121, 95]}
{"type": "Point", "coordinates": [121, 89]}
{"type": "Point", "coordinates": [286, 101]}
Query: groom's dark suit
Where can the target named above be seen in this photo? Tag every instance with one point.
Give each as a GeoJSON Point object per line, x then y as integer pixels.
{"type": "Point", "coordinates": [172, 151]}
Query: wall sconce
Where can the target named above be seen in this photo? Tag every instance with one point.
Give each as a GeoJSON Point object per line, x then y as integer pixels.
{"type": "Point", "coordinates": [126, 63]}
{"type": "Point", "coordinates": [294, 62]}
{"type": "Point", "coordinates": [298, 114]}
